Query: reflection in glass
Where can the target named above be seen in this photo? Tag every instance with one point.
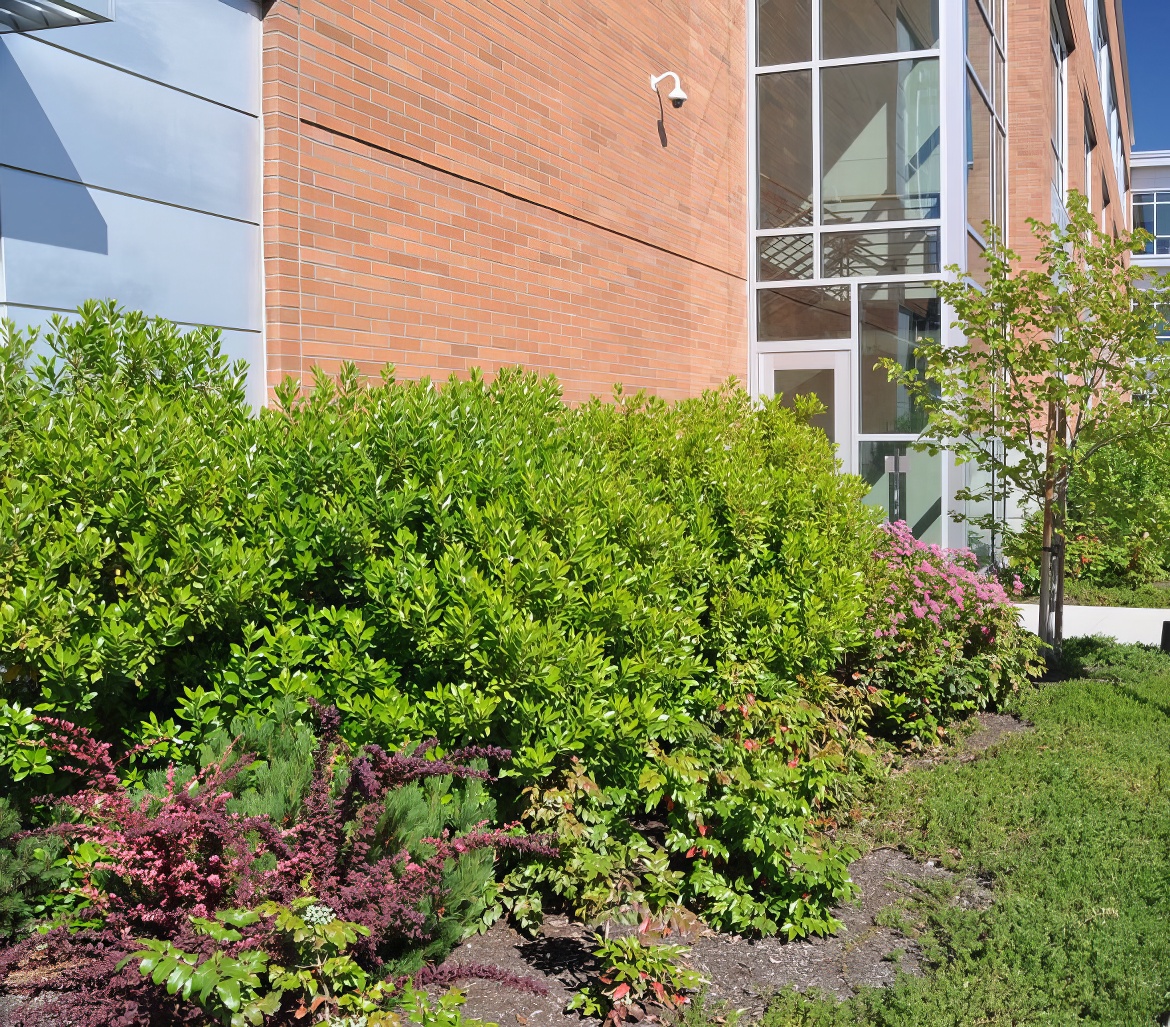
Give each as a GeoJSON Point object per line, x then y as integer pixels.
{"type": "Point", "coordinates": [976, 265]}
{"type": "Point", "coordinates": [979, 44]}
{"type": "Point", "coordinates": [851, 28]}
{"type": "Point", "coordinates": [785, 257]}
{"type": "Point", "coordinates": [1143, 216]}
{"type": "Point", "coordinates": [900, 251]}
{"type": "Point", "coordinates": [817, 381]}
{"type": "Point", "coordinates": [907, 485]}
{"type": "Point", "coordinates": [980, 125]}
{"type": "Point", "coordinates": [803, 313]}
{"type": "Point", "coordinates": [999, 178]}
{"type": "Point", "coordinates": [892, 319]}
{"type": "Point", "coordinates": [783, 31]}
{"type": "Point", "coordinates": [784, 127]}
{"type": "Point", "coordinates": [1000, 84]}
{"type": "Point", "coordinates": [880, 141]}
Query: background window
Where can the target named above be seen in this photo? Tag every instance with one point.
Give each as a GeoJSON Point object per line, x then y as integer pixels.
{"type": "Point", "coordinates": [1151, 211]}
{"type": "Point", "coordinates": [1058, 130]}
{"type": "Point", "coordinates": [980, 129]}
{"type": "Point", "coordinates": [880, 141]}
{"type": "Point", "coordinates": [979, 44]}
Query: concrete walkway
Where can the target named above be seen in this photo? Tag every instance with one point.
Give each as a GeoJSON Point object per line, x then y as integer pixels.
{"type": "Point", "coordinates": [1139, 624]}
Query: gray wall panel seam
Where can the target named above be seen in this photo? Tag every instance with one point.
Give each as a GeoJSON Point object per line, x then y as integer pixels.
{"type": "Point", "coordinates": [132, 196]}
{"type": "Point", "coordinates": [139, 75]}
{"type": "Point", "coordinates": [189, 324]}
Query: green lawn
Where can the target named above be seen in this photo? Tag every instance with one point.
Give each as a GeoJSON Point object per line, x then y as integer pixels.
{"type": "Point", "coordinates": [1071, 824]}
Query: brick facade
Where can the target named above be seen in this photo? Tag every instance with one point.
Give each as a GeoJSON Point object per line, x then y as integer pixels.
{"type": "Point", "coordinates": [1031, 103]}
{"type": "Point", "coordinates": [479, 183]}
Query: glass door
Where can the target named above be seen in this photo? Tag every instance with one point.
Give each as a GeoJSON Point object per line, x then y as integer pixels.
{"type": "Point", "coordinates": [823, 373]}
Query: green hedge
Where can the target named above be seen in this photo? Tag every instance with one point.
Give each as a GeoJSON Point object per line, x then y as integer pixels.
{"type": "Point", "coordinates": [648, 603]}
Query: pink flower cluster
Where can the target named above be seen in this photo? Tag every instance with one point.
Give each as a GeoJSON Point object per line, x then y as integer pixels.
{"type": "Point", "coordinates": [942, 586]}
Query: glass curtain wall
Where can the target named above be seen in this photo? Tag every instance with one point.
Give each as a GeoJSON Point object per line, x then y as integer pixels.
{"type": "Point", "coordinates": [847, 99]}
{"type": "Point", "coordinates": [986, 125]}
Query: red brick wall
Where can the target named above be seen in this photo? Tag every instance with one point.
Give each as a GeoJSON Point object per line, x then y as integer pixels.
{"type": "Point", "coordinates": [1030, 112]}
{"type": "Point", "coordinates": [477, 183]}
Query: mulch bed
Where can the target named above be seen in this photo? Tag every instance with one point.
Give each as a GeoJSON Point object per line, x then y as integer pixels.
{"type": "Point", "coordinates": [743, 973]}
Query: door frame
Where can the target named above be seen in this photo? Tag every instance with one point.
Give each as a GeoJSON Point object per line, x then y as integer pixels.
{"type": "Point", "coordinates": [835, 356]}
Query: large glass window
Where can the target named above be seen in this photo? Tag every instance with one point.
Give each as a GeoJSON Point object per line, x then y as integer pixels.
{"type": "Point", "coordinates": [880, 141]}
{"type": "Point", "coordinates": [836, 221]}
{"type": "Point", "coordinates": [1151, 211]}
{"type": "Point", "coordinates": [783, 32]}
{"type": "Point", "coordinates": [851, 28]}
{"type": "Point", "coordinates": [785, 148]}
{"type": "Point", "coordinates": [799, 314]}
{"type": "Point", "coordinates": [893, 319]}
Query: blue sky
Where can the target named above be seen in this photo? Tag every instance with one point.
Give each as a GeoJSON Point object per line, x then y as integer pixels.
{"type": "Point", "coordinates": [1147, 31]}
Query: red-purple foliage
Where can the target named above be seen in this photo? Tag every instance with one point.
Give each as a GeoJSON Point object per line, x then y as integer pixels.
{"type": "Point", "coordinates": [184, 853]}
{"type": "Point", "coordinates": [163, 859]}
{"type": "Point", "coordinates": [452, 973]}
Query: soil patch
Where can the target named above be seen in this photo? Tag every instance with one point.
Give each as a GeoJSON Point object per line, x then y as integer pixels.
{"type": "Point", "coordinates": [993, 728]}
{"type": "Point", "coordinates": [743, 973]}
{"type": "Point", "coordinates": [981, 732]}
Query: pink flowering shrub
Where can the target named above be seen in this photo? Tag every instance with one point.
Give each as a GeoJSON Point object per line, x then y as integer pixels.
{"type": "Point", "coordinates": [146, 864]}
{"type": "Point", "coordinates": [943, 638]}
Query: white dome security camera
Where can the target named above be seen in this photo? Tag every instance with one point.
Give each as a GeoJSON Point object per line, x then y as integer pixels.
{"type": "Point", "coordinates": [676, 96]}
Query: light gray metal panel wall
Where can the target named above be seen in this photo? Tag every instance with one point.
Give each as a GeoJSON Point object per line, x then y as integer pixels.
{"type": "Point", "coordinates": [130, 167]}
{"type": "Point", "coordinates": [207, 47]}
{"type": "Point", "coordinates": [64, 244]}
{"type": "Point", "coordinates": [1147, 179]}
{"type": "Point", "coordinates": [152, 141]}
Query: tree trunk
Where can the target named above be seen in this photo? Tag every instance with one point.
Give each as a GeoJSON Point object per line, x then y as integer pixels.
{"type": "Point", "coordinates": [1060, 545]}
{"type": "Point", "coordinates": [1046, 625]}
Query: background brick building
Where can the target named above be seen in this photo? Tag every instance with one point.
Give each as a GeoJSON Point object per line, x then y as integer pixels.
{"type": "Point", "coordinates": [1071, 125]}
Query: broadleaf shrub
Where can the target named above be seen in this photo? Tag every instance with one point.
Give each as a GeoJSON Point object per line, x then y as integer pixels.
{"type": "Point", "coordinates": [649, 604]}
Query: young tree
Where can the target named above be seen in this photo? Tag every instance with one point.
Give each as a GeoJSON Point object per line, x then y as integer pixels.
{"type": "Point", "coordinates": [1061, 362]}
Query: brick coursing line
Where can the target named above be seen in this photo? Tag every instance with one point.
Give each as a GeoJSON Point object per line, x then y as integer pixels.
{"type": "Point", "coordinates": [451, 185]}
{"type": "Point", "coordinates": [516, 196]}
